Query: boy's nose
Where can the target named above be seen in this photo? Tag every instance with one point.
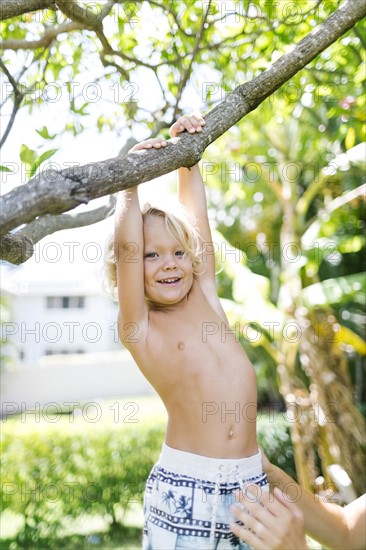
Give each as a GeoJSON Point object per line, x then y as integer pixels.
{"type": "Point", "coordinates": [170, 263]}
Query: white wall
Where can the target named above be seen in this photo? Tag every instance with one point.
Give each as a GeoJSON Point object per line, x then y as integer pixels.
{"type": "Point", "coordinates": [80, 378]}
{"type": "Point", "coordinates": [36, 329]}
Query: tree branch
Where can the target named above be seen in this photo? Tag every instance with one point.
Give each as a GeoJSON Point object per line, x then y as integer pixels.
{"type": "Point", "coordinates": [48, 37]}
{"type": "Point", "coordinates": [82, 15]}
{"type": "Point", "coordinates": [19, 247]}
{"type": "Point", "coordinates": [11, 8]}
{"type": "Point", "coordinates": [17, 102]}
{"type": "Point", "coordinates": [54, 192]}
{"type": "Point", "coordinates": [16, 250]}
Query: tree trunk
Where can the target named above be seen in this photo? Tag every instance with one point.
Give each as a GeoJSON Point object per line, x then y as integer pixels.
{"type": "Point", "coordinates": [325, 416]}
{"type": "Point", "coordinates": [332, 399]}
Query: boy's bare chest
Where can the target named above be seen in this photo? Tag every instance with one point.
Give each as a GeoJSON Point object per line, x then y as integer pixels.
{"type": "Point", "coordinates": [193, 353]}
{"type": "Point", "coordinates": [200, 332]}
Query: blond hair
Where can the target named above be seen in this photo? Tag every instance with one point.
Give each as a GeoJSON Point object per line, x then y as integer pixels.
{"type": "Point", "coordinates": [182, 228]}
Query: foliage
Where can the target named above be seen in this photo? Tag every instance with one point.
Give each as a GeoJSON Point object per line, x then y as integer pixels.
{"type": "Point", "coordinates": [125, 67]}
{"type": "Point", "coordinates": [275, 439]}
{"type": "Point", "coordinates": [71, 472]}
{"type": "Point", "coordinates": [67, 474]}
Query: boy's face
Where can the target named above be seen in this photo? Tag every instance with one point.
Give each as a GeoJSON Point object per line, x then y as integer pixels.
{"type": "Point", "coordinates": [168, 270]}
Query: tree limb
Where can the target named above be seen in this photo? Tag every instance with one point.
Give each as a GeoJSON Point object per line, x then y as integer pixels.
{"type": "Point", "coordinates": [18, 98]}
{"type": "Point", "coordinates": [11, 8]}
{"type": "Point", "coordinates": [82, 15]}
{"type": "Point", "coordinates": [16, 250]}
{"type": "Point", "coordinates": [19, 247]}
{"type": "Point", "coordinates": [48, 37]}
{"type": "Point", "coordinates": [54, 192]}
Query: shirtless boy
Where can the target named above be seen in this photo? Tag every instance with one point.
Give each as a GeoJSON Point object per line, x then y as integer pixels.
{"type": "Point", "coordinates": [166, 288]}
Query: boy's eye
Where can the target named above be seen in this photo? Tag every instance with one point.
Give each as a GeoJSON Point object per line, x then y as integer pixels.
{"type": "Point", "coordinates": [179, 253]}
{"type": "Point", "coordinates": [151, 255]}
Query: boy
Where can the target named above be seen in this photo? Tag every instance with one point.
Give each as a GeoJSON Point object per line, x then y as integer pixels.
{"type": "Point", "coordinates": [167, 293]}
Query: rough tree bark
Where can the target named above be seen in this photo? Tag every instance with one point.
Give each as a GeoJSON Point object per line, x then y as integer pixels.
{"type": "Point", "coordinates": [14, 8]}
{"type": "Point", "coordinates": [54, 192]}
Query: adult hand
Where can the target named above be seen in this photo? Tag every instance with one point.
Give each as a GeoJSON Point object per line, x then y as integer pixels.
{"type": "Point", "coordinates": [269, 522]}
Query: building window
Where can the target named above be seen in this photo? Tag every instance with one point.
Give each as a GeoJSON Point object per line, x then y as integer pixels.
{"type": "Point", "coordinates": [62, 351]}
{"type": "Point", "coordinates": [65, 302]}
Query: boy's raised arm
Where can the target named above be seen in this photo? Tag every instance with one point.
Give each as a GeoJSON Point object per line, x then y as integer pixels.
{"type": "Point", "coordinates": [128, 242]}
{"type": "Point", "coordinates": [129, 257]}
{"type": "Point", "coordinates": [192, 195]}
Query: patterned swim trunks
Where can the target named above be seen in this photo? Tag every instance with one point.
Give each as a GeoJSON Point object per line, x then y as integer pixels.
{"type": "Point", "coordinates": [188, 498]}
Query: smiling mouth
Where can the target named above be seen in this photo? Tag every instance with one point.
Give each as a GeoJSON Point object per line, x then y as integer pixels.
{"type": "Point", "coordinates": [169, 281]}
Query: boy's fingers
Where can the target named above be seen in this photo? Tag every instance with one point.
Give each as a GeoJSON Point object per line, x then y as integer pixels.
{"type": "Point", "coordinates": [155, 143]}
{"type": "Point", "coordinates": [253, 522]}
{"type": "Point", "coordinates": [187, 124]}
{"type": "Point", "coordinates": [196, 121]}
{"type": "Point", "coordinates": [158, 144]}
{"type": "Point", "coordinates": [199, 118]}
{"type": "Point", "coordinates": [191, 123]}
{"type": "Point", "coordinates": [247, 536]}
{"type": "Point", "coordinates": [176, 128]}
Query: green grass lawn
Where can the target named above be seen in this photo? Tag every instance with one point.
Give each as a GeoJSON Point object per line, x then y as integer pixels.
{"type": "Point", "coordinates": [92, 415]}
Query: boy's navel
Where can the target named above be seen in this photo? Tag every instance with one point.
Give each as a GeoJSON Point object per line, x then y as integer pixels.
{"type": "Point", "coordinates": [181, 346]}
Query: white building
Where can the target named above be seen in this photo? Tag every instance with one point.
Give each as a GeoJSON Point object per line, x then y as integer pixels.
{"type": "Point", "coordinates": [57, 309]}
{"type": "Point", "coordinates": [61, 327]}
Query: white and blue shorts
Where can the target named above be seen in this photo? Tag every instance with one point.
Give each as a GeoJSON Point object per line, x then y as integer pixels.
{"type": "Point", "coordinates": [188, 498]}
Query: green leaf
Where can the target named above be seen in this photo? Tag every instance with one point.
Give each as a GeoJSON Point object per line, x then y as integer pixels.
{"type": "Point", "coordinates": [81, 110]}
{"type": "Point", "coordinates": [46, 155]}
{"type": "Point", "coordinates": [4, 169]}
{"type": "Point", "coordinates": [28, 156]}
{"type": "Point", "coordinates": [335, 291]}
{"type": "Point", "coordinates": [45, 133]}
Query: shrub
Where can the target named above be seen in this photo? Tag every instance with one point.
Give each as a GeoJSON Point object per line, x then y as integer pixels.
{"type": "Point", "coordinates": [273, 436]}
{"type": "Point", "coordinates": [53, 475]}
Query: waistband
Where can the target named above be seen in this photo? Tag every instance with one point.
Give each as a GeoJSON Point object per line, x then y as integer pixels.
{"type": "Point", "coordinates": [207, 468]}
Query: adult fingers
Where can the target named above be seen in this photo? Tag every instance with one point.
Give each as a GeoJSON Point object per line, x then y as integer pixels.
{"type": "Point", "coordinates": [256, 518]}
{"type": "Point", "coordinates": [291, 506]}
{"type": "Point", "coordinates": [272, 520]}
{"type": "Point", "coordinates": [250, 537]}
